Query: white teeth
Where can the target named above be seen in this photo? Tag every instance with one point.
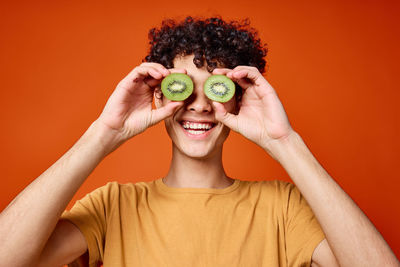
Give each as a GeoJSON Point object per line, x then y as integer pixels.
{"type": "Point", "coordinates": [196, 132]}
{"type": "Point", "coordinates": [194, 125]}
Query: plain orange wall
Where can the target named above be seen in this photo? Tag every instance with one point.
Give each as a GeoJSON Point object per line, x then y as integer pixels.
{"type": "Point", "coordinates": [334, 65]}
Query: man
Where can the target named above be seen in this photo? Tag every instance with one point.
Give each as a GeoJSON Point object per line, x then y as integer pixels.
{"type": "Point", "coordinates": [196, 215]}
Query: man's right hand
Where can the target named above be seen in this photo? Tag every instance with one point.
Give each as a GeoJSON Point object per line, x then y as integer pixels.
{"type": "Point", "coordinates": [128, 111]}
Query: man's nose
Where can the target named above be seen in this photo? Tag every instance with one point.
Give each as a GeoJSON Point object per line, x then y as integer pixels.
{"type": "Point", "coordinates": [198, 102]}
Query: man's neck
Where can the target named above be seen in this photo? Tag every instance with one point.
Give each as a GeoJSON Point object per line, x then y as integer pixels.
{"type": "Point", "coordinates": [187, 172]}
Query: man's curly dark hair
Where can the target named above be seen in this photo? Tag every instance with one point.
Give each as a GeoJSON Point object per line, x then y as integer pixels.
{"type": "Point", "coordinates": [219, 43]}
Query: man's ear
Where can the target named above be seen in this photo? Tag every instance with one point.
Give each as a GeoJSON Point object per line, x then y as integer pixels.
{"type": "Point", "coordinates": [158, 96]}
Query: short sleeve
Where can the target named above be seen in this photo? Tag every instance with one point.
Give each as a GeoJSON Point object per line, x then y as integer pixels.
{"type": "Point", "coordinates": [303, 231]}
{"type": "Point", "coordinates": [89, 215]}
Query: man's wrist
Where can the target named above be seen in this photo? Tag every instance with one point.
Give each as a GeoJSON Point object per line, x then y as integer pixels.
{"type": "Point", "coordinates": [281, 147]}
{"type": "Point", "coordinates": [104, 138]}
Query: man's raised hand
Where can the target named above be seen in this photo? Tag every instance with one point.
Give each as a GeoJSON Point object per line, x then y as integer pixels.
{"type": "Point", "coordinates": [128, 111]}
{"type": "Point", "coordinates": [261, 118]}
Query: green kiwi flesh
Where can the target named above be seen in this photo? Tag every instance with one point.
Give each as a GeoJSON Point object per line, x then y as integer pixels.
{"type": "Point", "coordinates": [219, 88]}
{"type": "Point", "coordinates": [177, 86]}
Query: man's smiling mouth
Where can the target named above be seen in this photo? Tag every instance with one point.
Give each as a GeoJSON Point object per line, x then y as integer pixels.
{"type": "Point", "coordinates": [196, 128]}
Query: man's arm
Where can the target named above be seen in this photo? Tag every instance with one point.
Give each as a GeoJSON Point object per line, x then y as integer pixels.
{"type": "Point", "coordinates": [263, 120]}
{"type": "Point", "coordinates": [323, 256]}
{"type": "Point", "coordinates": [66, 244]}
{"type": "Point", "coordinates": [350, 234]}
{"type": "Point", "coordinates": [29, 220]}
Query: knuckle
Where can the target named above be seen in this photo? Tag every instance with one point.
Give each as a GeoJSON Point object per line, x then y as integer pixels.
{"type": "Point", "coordinates": [146, 64]}
{"type": "Point", "coordinates": [152, 64]}
{"type": "Point", "coordinates": [254, 69]}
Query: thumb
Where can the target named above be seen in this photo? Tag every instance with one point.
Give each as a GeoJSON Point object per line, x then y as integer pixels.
{"type": "Point", "coordinates": [159, 114]}
{"type": "Point", "coordinates": [224, 116]}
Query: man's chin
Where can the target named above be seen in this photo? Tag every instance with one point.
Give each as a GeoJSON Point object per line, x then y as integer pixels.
{"type": "Point", "coordinates": [197, 153]}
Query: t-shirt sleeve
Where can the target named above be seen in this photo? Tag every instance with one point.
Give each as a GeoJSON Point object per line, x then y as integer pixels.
{"type": "Point", "coordinates": [89, 215]}
{"type": "Point", "coordinates": [303, 231]}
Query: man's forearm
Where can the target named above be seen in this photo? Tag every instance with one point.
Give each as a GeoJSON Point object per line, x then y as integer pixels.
{"type": "Point", "coordinates": [28, 221]}
{"type": "Point", "coordinates": [352, 237]}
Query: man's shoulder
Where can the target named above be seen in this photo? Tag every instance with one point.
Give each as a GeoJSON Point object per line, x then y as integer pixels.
{"type": "Point", "coordinates": [267, 184]}
{"type": "Point", "coordinates": [117, 185]}
{"type": "Point", "coordinates": [267, 188]}
{"type": "Point", "coordinates": [117, 188]}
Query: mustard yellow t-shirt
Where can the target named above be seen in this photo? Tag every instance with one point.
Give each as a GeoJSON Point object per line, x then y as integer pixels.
{"type": "Point", "coordinates": [249, 223]}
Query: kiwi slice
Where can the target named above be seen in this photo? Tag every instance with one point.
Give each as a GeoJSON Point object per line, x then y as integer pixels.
{"type": "Point", "coordinates": [177, 86]}
{"type": "Point", "coordinates": [219, 88]}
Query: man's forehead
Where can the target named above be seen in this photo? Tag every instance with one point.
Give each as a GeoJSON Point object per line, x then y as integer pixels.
{"type": "Point", "coordinates": [186, 61]}
{"type": "Point", "coordinates": [183, 61]}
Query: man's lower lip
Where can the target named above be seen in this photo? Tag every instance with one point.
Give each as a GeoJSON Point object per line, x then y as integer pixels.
{"type": "Point", "coordinates": [197, 136]}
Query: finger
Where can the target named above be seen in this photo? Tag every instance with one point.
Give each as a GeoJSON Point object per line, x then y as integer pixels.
{"type": "Point", "coordinates": [224, 116]}
{"type": "Point", "coordinates": [178, 70]}
{"type": "Point", "coordinates": [154, 79]}
{"type": "Point", "coordinates": [251, 73]}
{"type": "Point", "coordinates": [140, 74]}
{"type": "Point", "coordinates": [143, 72]}
{"type": "Point", "coordinates": [240, 78]}
{"type": "Point", "coordinates": [246, 76]}
{"type": "Point", "coordinates": [157, 66]}
{"type": "Point", "coordinates": [148, 75]}
{"type": "Point", "coordinates": [222, 71]}
{"type": "Point", "coordinates": [160, 114]}
{"type": "Point", "coordinates": [153, 83]}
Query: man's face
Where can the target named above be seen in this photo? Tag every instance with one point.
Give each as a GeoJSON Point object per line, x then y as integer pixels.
{"type": "Point", "coordinates": [193, 129]}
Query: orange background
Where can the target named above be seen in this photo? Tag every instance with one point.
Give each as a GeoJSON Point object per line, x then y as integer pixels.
{"type": "Point", "coordinates": [334, 65]}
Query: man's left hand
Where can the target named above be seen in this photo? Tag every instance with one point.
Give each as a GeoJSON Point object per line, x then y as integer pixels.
{"type": "Point", "coordinates": [261, 117]}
